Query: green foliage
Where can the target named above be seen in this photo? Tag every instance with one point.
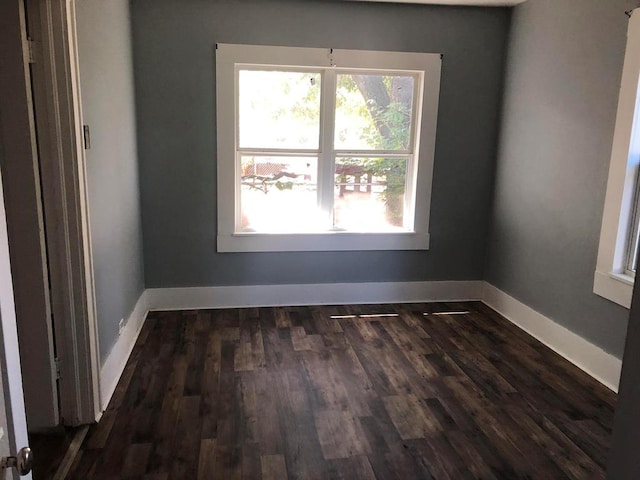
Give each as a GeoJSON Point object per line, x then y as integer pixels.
{"type": "Point", "coordinates": [307, 108]}
{"type": "Point", "coordinates": [284, 185]}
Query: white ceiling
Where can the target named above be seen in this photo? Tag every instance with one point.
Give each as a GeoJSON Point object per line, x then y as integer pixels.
{"type": "Point", "coordinates": [477, 3]}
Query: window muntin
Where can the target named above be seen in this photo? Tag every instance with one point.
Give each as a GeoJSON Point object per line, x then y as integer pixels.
{"type": "Point", "coordinates": [240, 228]}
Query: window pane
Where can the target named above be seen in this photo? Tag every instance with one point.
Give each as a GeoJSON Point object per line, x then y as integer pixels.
{"type": "Point", "coordinates": [369, 194]}
{"type": "Point", "coordinates": [279, 194]}
{"type": "Point", "coordinates": [279, 109]}
{"type": "Point", "coordinates": [373, 112]}
{"type": "Point", "coordinates": [634, 237]}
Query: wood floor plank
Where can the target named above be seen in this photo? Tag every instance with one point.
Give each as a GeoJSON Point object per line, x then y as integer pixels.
{"type": "Point", "coordinates": [412, 418]}
{"type": "Point", "coordinates": [273, 467]}
{"type": "Point", "coordinates": [447, 390]}
{"type": "Point", "coordinates": [206, 458]}
{"type": "Point", "coordinates": [352, 468]}
{"type": "Point", "coordinates": [340, 435]}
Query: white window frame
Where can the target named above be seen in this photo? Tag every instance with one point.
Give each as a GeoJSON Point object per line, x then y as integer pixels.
{"type": "Point", "coordinates": [612, 279]}
{"type": "Point", "coordinates": [229, 58]}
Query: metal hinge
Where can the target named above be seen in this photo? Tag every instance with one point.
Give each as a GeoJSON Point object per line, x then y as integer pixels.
{"type": "Point", "coordinates": [56, 362]}
{"type": "Point", "coordinates": [31, 49]}
{"type": "Point", "coordinates": [86, 135]}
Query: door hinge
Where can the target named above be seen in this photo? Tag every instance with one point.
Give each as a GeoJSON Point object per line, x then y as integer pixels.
{"type": "Point", "coordinates": [31, 49]}
{"type": "Point", "coordinates": [86, 135]}
{"type": "Point", "coordinates": [56, 362]}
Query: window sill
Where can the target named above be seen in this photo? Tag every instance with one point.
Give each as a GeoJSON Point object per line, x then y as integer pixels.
{"type": "Point", "coordinates": [614, 286]}
{"type": "Point", "coordinates": [322, 242]}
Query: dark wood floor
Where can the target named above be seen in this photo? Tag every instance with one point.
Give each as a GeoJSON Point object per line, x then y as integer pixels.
{"type": "Point", "coordinates": [49, 448]}
{"type": "Point", "coordinates": [360, 392]}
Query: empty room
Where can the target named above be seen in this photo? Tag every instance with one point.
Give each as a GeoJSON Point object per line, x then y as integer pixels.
{"type": "Point", "coordinates": [319, 239]}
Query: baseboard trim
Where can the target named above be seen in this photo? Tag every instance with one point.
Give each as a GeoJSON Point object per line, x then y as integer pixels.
{"type": "Point", "coordinates": [601, 365]}
{"type": "Point", "coordinates": [312, 294]}
{"type": "Point", "coordinates": [116, 361]}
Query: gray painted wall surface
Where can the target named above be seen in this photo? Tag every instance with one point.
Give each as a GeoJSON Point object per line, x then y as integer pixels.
{"type": "Point", "coordinates": [174, 44]}
{"type": "Point", "coordinates": [104, 41]}
{"type": "Point", "coordinates": [564, 69]}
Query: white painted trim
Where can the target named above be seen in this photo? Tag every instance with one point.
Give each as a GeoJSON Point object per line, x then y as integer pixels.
{"type": "Point", "coordinates": [314, 294]}
{"type": "Point", "coordinates": [116, 361]}
{"type": "Point", "coordinates": [56, 89]}
{"type": "Point", "coordinates": [472, 3]}
{"type": "Point", "coordinates": [322, 241]}
{"type": "Point", "coordinates": [623, 167]}
{"type": "Point", "coordinates": [614, 286]}
{"type": "Point", "coordinates": [427, 69]}
{"type": "Point", "coordinates": [601, 365]}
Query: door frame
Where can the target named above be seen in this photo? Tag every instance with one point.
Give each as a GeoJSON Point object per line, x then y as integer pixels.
{"type": "Point", "coordinates": [24, 219]}
{"type": "Point", "coordinates": [58, 121]}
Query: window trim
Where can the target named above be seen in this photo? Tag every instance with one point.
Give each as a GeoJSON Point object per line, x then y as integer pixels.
{"type": "Point", "coordinates": [611, 279]}
{"type": "Point", "coordinates": [229, 56]}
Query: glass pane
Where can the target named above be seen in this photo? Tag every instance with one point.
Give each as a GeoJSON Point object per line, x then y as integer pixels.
{"type": "Point", "coordinates": [279, 194]}
{"type": "Point", "coordinates": [373, 112]}
{"type": "Point", "coordinates": [634, 238]}
{"type": "Point", "coordinates": [279, 109]}
{"type": "Point", "coordinates": [369, 194]}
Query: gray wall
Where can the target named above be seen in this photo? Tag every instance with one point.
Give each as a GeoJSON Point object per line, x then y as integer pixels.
{"type": "Point", "coordinates": [174, 43]}
{"type": "Point", "coordinates": [564, 69]}
{"type": "Point", "coordinates": [106, 71]}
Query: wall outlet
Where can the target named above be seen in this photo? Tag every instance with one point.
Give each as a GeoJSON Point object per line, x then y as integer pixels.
{"type": "Point", "coordinates": [120, 326]}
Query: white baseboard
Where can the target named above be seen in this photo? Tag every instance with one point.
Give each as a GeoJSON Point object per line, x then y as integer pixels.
{"type": "Point", "coordinates": [113, 366]}
{"type": "Point", "coordinates": [314, 294]}
{"type": "Point", "coordinates": [269, 295]}
{"type": "Point", "coordinates": [601, 365]}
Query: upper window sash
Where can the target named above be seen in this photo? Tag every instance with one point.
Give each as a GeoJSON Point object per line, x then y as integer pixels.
{"type": "Point", "coordinates": [328, 117]}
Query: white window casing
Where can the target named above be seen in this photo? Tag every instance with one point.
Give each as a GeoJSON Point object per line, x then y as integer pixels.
{"type": "Point", "coordinates": [425, 66]}
{"type": "Point", "coordinates": [612, 279]}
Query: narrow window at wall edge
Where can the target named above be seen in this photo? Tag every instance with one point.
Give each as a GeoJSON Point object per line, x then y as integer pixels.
{"type": "Point", "coordinates": [324, 149]}
{"type": "Point", "coordinates": [617, 259]}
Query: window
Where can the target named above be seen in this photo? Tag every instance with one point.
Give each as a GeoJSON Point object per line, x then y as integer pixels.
{"type": "Point", "coordinates": [631, 255]}
{"type": "Point", "coordinates": [617, 254]}
{"type": "Point", "coordinates": [322, 149]}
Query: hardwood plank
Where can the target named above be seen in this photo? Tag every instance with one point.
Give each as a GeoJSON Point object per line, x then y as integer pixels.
{"type": "Point", "coordinates": [227, 463]}
{"type": "Point", "coordinates": [135, 462]}
{"type": "Point", "coordinates": [353, 468]}
{"type": "Point", "coordinates": [412, 418]}
{"type": "Point", "coordinates": [206, 458]}
{"type": "Point", "coordinates": [251, 465]}
{"type": "Point", "coordinates": [186, 440]}
{"type": "Point", "coordinates": [273, 467]}
{"type": "Point", "coordinates": [340, 435]}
